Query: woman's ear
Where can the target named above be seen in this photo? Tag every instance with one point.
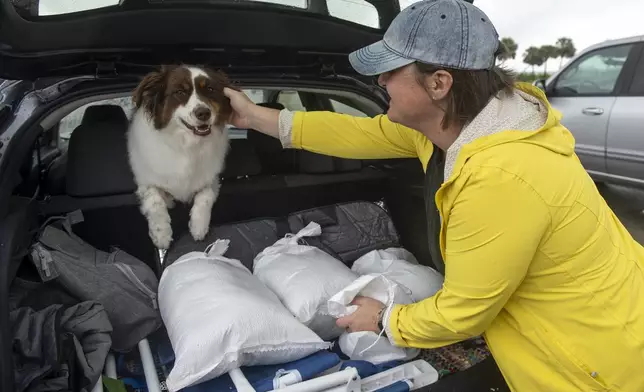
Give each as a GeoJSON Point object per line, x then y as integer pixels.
{"type": "Point", "coordinates": [439, 84]}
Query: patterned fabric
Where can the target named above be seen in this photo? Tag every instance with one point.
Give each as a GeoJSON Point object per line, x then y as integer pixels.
{"type": "Point", "coordinates": [285, 126]}
{"type": "Point", "coordinates": [517, 111]}
{"type": "Point", "coordinates": [456, 357]}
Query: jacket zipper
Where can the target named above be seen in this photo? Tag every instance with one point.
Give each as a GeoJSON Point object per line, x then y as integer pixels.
{"type": "Point", "coordinates": [127, 271]}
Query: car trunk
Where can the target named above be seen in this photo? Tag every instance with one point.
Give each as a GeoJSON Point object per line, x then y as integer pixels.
{"type": "Point", "coordinates": [37, 181]}
{"type": "Point", "coordinates": [261, 182]}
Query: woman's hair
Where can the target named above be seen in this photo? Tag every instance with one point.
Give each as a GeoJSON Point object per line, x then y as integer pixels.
{"type": "Point", "coordinates": [471, 90]}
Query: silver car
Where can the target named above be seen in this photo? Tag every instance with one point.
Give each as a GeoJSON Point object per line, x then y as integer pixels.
{"type": "Point", "coordinates": [600, 93]}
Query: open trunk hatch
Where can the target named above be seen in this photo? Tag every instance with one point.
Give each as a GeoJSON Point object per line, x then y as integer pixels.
{"type": "Point", "coordinates": [149, 32]}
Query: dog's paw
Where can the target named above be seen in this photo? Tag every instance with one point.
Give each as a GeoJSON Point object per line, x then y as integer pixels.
{"type": "Point", "coordinates": [198, 227]}
{"type": "Point", "coordinates": [161, 236]}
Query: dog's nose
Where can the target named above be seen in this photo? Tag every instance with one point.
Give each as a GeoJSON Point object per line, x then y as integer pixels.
{"type": "Point", "coordinates": [202, 113]}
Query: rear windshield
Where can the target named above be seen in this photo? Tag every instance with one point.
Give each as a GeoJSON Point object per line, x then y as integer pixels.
{"type": "Point", "coordinates": [357, 11]}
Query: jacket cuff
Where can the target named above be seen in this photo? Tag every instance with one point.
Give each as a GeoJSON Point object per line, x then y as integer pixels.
{"type": "Point", "coordinates": [390, 321]}
{"type": "Point", "coordinates": [289, 130]}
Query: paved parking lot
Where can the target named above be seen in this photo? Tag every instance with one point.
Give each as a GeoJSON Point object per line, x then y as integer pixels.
{"type": "Point", "coordinates": [628, 205]}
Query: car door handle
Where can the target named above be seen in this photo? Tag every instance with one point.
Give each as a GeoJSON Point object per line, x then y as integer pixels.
{"type": "Point", "coordinates": [593, 111]}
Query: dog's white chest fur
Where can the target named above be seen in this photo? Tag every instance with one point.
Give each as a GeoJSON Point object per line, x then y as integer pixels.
{"type": "Point", "coordinates": [176, 162]}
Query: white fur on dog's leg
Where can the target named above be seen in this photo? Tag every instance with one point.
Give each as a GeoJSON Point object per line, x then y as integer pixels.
{"type": "Point", "coordinates": [169, 200]}
{"type": "Point", "coordinates": [153, 207]}
{"type": "Point", "coordinates": [201, 211]}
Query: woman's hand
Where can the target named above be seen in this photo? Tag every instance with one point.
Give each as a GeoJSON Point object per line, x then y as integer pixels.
{"type": "Point", "coordinates": [247, 115]}
{"type": "Point", "coordinates": [242, 108]}
{"type": "Point", "coordinates": [365, 318]}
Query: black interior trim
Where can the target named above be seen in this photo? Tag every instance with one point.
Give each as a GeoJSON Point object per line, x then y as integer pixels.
{"type": "Point", "coordinates": [61, 204]}
{"type": "Point", "coordinates": [14, 236]}
{"type": "Point", "coordinates": [217, 26]}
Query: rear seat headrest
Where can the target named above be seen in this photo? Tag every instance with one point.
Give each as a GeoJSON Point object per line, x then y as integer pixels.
{"type": "Point", "coordinates": [97, 163]}
{"type": "Point", "coordinates": [241, 160]}
{"type": "Point", "coordinates": [275, 159]}
{"type": "Point", "coordinates": [102, 113]}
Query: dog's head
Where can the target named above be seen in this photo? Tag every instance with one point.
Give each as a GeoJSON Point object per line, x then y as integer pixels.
{"type": "Point", "coordinates": [185, 97]}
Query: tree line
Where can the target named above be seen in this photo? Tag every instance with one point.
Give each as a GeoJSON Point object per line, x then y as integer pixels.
{"type": "Point", "coordinates": [537, 56]}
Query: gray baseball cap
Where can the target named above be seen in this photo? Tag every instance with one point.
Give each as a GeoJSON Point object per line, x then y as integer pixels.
{"type": "Point", "coordinates": [446, 33]}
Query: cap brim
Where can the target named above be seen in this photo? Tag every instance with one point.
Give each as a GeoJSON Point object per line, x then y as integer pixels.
{"type": "Point", "coordinates": [376, 59]}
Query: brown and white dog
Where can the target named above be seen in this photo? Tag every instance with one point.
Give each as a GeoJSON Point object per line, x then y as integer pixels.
{"type": "Point", "coordinates": [177, 144]}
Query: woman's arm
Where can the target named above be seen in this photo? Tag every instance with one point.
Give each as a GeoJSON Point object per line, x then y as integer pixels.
{"type": "Point", "coordinates": [493, 232]}
{"type": "Point", "coordinates": [329, 133]}
{"type": "Point", "coordinates": [346, 136]}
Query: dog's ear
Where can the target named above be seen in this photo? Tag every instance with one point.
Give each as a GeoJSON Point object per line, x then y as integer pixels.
{"type": "Point", "coordinates": [150, 93]}
{"type": "Point", "coordinates": [148, 88]}
{"type": "Point", "coordinates": [220, 80]}
{"type": "Point", "coordinates": [218, 77]}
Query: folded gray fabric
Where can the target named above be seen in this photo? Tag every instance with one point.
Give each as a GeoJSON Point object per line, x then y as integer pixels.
{"type": "Point", "coordinates": [59, 348]}
{"type": "Point", "coordinates": [123, 284]}
{"type": "Point", "coordinates": [349, 230]}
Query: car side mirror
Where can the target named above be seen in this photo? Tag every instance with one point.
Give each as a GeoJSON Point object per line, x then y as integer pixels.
{"type": "Point", "coordinates": [541, 83]}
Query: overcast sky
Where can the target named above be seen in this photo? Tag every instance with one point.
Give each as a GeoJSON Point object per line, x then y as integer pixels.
{"type": "Point", "coordinates": [536, 23]}
{"type": "Point", "coordinates": [530, 23]}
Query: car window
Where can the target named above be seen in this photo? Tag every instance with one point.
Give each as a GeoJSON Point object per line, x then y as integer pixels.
{"type": "Point", "coordinates": [343, 108]}
{"type": "Point", "coordinates": [406, 3]}
{"type": "Point", "coordinates": [291, 100]}
{"type": "Point", "coordinates": [73, 119]}
{"type": "Point", "coordinates": [59, 7]}
{"type": "Point", "coordinates": [596, 73]}
{"type": "Point", "coordinates": [356, 11]}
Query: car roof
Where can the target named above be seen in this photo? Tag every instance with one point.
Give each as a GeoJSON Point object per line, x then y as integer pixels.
{"type": "Point", "coordinates": [615, 42]}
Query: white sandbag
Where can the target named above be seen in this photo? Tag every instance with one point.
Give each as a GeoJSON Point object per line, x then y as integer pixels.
{"type": "Point", "coordinates": [220, 317]}
{"type": "Point", "coordinates": [304, 278]}
{"type": "Point", "coordinates": [370, 346]}
{"type": "Point", "coordinates": [401, 266]}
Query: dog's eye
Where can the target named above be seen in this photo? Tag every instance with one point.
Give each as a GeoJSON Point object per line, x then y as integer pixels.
{"type": "Point", "coordinates": [180, 92]}
{"type": "Point", "coordinates": [210, 89]}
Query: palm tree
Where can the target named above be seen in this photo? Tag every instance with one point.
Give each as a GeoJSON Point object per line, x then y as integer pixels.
{"type": "Point", "coordinates": [548, 52]}
{"type": "Point", "coordinates": [510, 51]}
{"type": "Point", "coordinates": [566, 49]}
{"type": "Point", "coordinates": [533, 56]}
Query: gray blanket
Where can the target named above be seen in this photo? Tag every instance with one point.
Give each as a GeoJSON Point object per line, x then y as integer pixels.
{"type": "Point", "coordinates": [58, 346]}
{"type": "Point", "coordinates": [349, 230]}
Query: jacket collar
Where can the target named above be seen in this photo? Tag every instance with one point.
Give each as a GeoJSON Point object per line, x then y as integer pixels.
{"type": "Point", "coordinates": [518, 110]}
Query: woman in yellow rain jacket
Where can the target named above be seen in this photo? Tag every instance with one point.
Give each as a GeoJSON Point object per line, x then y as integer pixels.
{"type": "Point", "coordinates": [535, 260]}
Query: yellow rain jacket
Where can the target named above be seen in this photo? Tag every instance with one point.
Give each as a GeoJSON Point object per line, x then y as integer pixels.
{"type": "Point", "coordinates": [535, 259]}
